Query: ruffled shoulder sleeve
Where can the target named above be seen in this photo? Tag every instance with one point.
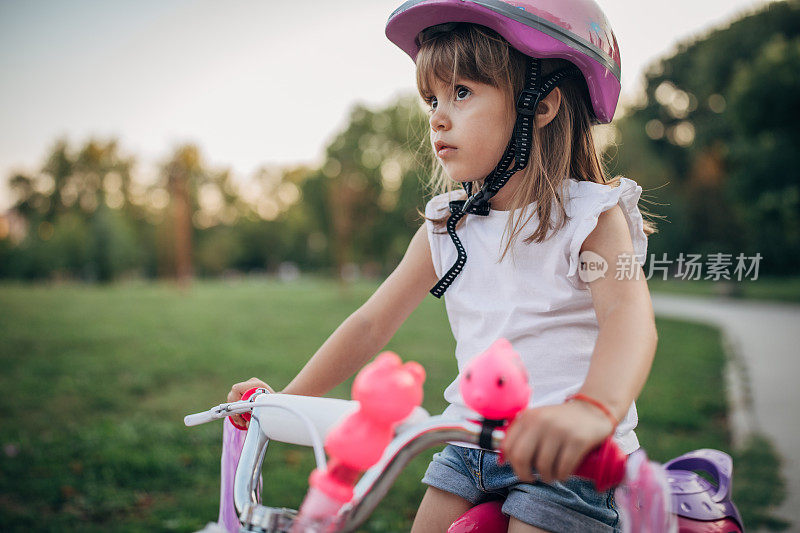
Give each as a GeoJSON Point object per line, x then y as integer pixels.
{"type": "Point", "coordinates": [439, 205]}
{"type": "Point", "coordinates": [587, 201]}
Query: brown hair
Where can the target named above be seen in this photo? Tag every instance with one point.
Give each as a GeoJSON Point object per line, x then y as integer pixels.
{"type": "Point", "coordinates": [561, 149]}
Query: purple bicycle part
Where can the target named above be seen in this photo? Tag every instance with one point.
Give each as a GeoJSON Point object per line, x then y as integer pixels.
{"type": "Point", "coordinates": [693, 497]}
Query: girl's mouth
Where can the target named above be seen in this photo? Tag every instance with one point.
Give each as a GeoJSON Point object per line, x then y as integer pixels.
{"type": "Point", "coordinates": [443, 150]}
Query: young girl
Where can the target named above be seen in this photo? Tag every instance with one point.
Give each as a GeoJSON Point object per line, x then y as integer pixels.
{"type": "Point", "coordinates": [512, 92]}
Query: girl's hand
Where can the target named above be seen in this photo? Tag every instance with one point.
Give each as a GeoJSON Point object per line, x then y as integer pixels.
{"type": "Point", "coordinates": [553, 440]}
{"type": "Point", "coordinates": [238, 390]}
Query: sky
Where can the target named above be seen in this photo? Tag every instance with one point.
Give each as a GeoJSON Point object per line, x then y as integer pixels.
{"type": "Point", "coordinates": [253, 83]}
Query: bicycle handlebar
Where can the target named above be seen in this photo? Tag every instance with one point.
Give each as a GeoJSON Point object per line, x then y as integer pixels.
{"type": "Point", "coordinates": [416, 434]}
{"type": "Point", "coordinates": [369, 440]}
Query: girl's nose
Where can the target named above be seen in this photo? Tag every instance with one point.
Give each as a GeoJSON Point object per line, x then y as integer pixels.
{"type": "Point", "coordinates": [439, 120]}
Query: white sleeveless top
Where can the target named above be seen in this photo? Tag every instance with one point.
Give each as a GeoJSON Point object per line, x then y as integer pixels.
{"type": "Point", "coordinates": [534, 297]}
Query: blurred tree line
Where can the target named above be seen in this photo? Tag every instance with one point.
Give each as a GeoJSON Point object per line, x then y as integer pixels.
{"type": "Point", "coordinates": [712, 141]}
{"type": "Point", "coordinates": [716, 140]}
{"type": "Point", "coordinates": [85, 217]}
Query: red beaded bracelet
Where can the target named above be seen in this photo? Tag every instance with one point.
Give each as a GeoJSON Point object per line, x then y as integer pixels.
{"type": "Point", "coordinates": [588, 399]}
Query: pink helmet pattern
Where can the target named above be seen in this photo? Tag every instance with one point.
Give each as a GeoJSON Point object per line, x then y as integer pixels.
{"type": "Point", "coordinates": [575, 30]}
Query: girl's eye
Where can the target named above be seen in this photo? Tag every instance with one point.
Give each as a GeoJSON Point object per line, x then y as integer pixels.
{"type": "Point", "coordinates": [461, 94]}
{"type": "Point", "coordinates": [431, 102]}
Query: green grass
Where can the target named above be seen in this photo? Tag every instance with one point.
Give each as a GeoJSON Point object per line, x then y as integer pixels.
{"type": "Point", "coordinates": [683, 407]}
{"type": "Point", "coordinates": [96, 381]}
{"type": "Point", "coordinates": [786, 289]}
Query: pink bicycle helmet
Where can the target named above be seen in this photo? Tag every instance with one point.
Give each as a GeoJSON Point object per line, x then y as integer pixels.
{"type": "Point", "coordinates": [575, 30]}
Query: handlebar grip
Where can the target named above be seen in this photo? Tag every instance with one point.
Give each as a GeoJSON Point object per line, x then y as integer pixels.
{"type": "Point", "coordinates": [199, 418]}
{"type": "Point", "coordinates": [605, 465]}
{"type": "Point", "coordinates": [246, 396]}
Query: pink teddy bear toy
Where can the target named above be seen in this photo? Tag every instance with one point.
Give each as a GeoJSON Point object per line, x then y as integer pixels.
{"type": "Point", "coordinates": [387, 391]}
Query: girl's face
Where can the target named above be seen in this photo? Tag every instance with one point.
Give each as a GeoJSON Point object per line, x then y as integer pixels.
{"type": "Point", "coordinates": [471, 124]}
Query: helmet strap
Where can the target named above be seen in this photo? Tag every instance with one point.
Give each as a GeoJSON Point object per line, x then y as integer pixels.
{"type": "Point", "coordinates": [517, 152]}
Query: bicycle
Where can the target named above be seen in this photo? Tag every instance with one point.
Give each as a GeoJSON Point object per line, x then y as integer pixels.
{"type": "Point", "coordinates": [652, 498]}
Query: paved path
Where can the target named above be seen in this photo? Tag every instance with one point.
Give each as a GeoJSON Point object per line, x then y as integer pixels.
{"type": "Point", "coordinates": [765, 340]}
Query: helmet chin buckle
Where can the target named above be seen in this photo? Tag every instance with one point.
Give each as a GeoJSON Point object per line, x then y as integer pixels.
{"type": "Point", "coordinates": [476, 200]}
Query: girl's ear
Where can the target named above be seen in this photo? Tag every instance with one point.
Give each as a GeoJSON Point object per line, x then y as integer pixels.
{"type": "Point", "coordinates": [548, 108]}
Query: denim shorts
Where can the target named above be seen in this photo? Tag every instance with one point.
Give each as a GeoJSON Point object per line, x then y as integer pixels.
{"type": "Point", "coordinates": [476, 476]}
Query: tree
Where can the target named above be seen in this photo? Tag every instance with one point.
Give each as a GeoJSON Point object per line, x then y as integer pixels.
{"type": "Point", "coordinates": [73, 210]}
{"type": "Point", "coordinates": [363, 201]}
{"type": "Point", "coordinates": [714, 139]}
{"type": "Point", "coordinates": [182, 172]}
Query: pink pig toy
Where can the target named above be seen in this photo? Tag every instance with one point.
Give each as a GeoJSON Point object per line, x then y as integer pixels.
{"type": "Point", "coordinates": [495, 383]}
{"type": "Point", "coordinates": [387, 391]}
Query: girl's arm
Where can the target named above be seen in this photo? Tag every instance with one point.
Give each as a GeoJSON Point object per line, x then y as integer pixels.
{"type": "Point", "coordinates": [553, 439]}
{"type": "Point", "coordinates": [369, 328]}
{"type": "Point", "coordinates": [626, 343]}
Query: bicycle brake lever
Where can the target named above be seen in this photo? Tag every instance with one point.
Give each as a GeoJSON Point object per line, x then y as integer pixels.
{"type": "Point", "coordinates": [201, 418]}
{"type": "Point", "coordinates": [215, 413]}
